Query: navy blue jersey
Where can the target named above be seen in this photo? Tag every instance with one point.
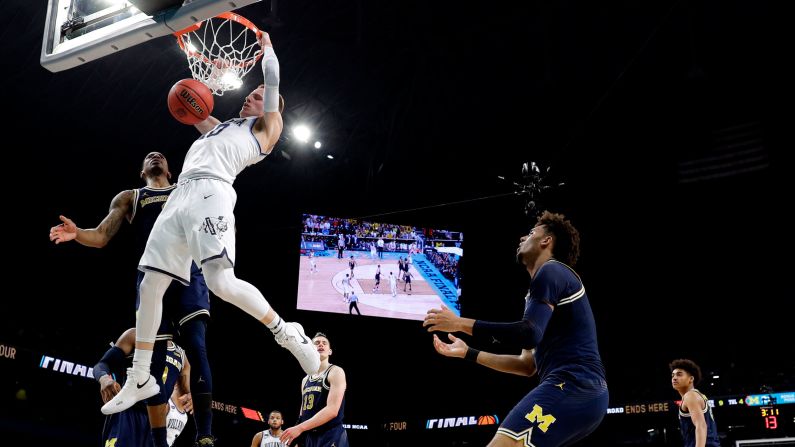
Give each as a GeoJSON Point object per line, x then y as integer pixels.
{"type": "Point", "coordinates": [130, 428]}
{"type": "Point", "coordinates": [689, 430]}
{"type": "Point", "coordinates": [147, 204]}
{"type": "Point", "coordinates": [568, 345]}
{"type": "Point", "coordinates": [314, 397]}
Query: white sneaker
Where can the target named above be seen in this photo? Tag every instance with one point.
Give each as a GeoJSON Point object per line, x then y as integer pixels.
{"type": "Point", "coordinates": [131, 393]}
{"type": "Point", "coordinates": [295, 340]}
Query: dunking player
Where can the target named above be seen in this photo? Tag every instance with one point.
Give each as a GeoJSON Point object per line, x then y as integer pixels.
{"type": "Point", "coordinates": [695, 415]}
{"type": "Point", "coordinates": [558, 337]}
{"type": "Point", "coordinates": [270, 437]}
{"type": "Point", "coordinates": [322, 404]}
{"type": "Point", "coordinates": [186, 308]}
{"type": "Point", "coordinates": [132, 427]}
{"type": "Point", "coordinates": [197, 224]}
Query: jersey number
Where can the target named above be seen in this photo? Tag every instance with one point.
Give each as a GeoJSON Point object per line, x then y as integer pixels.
{"type": "Point", "coordinates": [309, 402]}
{"type": "Point", "coordinates": [220, 128]}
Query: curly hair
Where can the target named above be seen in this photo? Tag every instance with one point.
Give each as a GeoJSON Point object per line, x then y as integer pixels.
{"type": "Point", "coordinates": [567, 238]}
{"type": "Point", "coordinates": [689, 366]}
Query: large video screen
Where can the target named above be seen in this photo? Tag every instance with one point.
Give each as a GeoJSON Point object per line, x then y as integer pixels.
{"type": "Point", "coordinates": [353, 266]}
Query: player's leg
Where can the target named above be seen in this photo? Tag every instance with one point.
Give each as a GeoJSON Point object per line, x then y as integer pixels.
{"type": "Point", "coordinates": [223, 283]}
{"type": "Point", "coordinates": [194, 313]}
{"type": "Point", "coordinates": [129, 427]}
{"type": "Point", "coordinates": [157, 405]}
{"type": "Point", "coordinates": [140, 384]}
{"type": "Point", "coordinates": [193, 338]}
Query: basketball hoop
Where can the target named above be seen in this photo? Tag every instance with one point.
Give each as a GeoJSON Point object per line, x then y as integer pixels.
{"type": "Point", "coordinates": [221, 50]}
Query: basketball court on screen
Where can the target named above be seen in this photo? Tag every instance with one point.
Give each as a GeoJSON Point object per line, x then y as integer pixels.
{"type": "Point", "coordinates": [323, 290]}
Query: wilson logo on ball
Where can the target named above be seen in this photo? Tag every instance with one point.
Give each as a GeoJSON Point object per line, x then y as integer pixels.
{"type": "Point", "coordinates": [191, 101]}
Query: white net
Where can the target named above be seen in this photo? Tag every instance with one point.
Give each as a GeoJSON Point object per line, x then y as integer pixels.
{"type": "Point", "coordinates": [221, 51]}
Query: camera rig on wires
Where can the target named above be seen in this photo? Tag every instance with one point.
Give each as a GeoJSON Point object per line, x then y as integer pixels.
{"type": "Point", "coordinates": [534, 187]}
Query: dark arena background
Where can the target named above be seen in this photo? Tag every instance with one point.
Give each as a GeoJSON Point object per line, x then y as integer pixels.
{"type": "Point", "coordinates": [665, 120]}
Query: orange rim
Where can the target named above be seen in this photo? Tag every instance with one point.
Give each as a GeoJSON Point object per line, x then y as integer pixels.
{"type": "Point", "coordinates": [228, 16]}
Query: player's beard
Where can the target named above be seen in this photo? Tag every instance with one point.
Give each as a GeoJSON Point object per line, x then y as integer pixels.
{"type": "Point", "coordinates": [156, 171]}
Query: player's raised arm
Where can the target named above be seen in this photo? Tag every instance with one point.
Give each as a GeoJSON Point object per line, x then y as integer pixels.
{"type": "Point", "coordinates": [207, 125]}
{"type": "Point", "coordinates": [269, 126]}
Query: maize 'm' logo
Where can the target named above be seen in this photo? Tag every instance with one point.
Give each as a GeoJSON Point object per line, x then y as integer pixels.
{"type": "Point", "coordinates": [537, 415]}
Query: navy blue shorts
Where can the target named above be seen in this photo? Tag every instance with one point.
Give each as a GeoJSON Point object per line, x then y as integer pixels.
{"type": "Point", "coordinates": [130, 428]}
{"type": "Point", "coordinates": [558, 412]}
{"type": "Point", "coordinates": [333, 437]}
{"type": "Point", "coordinates": [181, 303]}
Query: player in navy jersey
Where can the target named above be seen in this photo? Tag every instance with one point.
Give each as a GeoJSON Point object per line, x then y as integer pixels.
{"type": "Point", "coordinates": [558, 337]}
{"type": "Point", "coordinates": [695, 415]}
{"type": "Point", "coordinates": [187, 308]}
{"type": "Point", "coordinates": [198, 225]}
{"type": "Point", "coordinates": [352, 265]}
{"type": "Point", "coordinates": [377, 286]}
{"type": "Point", "coordinates": [131, 428]}
{"type": "Point", "coordinates": [322, 404]}
{"type": "Point", "coordinates": [270, 437]}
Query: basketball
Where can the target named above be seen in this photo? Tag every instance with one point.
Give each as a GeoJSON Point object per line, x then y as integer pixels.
{"type": "Point", "coordinates": [487, 420]}
{"type": "Point", "coordinates": [190, 101]}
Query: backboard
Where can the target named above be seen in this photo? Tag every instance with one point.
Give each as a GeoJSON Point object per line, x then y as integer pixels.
{"type": "Point", "coordinates": [79, 31]}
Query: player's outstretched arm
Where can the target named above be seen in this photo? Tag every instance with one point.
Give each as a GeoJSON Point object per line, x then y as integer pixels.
{"type": "Point", "coordinates": [444, 320]}
{"type": "Point", "coordinates": [120, 208]}
{"type": "Point", "coordinates": [522, 365]}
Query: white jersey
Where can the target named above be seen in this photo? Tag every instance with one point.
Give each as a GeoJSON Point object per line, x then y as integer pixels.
{"type": "Point", "coordinates": [175, 422]}
{"type": "Point", "coordinates": [223, 152]}
{"type": "Point", "coordinates": [269, 440]}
